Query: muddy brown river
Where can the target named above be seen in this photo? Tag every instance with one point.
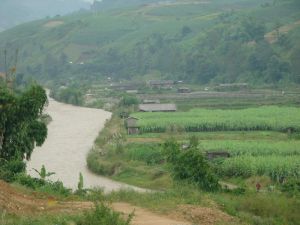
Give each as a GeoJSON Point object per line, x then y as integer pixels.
{"type": "Point", "coordinates": [71, 135]}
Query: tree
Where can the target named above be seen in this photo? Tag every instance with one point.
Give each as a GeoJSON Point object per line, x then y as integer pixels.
{"type": "Point", "coordinates": [190, 165]}
{"type": "Point", "coordinates": [21, 128]}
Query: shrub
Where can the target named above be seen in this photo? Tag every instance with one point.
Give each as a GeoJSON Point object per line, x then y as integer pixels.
{"type": "Point", "coordinates": [10, 169]}
{"type": "Point", "coordinates": [190, 165]}
{"type": "Point", "coordinates": [291, 186]}
{"type": "Point", "coordinates": [103, 215]}
{"type": "Point", "coordinates": [56, 188]}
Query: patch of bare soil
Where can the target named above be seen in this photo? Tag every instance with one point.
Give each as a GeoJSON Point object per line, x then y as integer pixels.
{"type": "Point", "coordinates": [271, 37]}
{"type": "Point", "coordinates": [145, 217]}
{"type": "Point", "coordinates": [205, 216]}
{"type": "Point", "coordinates": [54, 23]}
{"type": "Point", "coordinates": [16, 202]}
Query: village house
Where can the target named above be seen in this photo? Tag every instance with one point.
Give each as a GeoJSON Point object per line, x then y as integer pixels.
{"type": "Point", "coordinates": [151, 101]}
{"type": "Point", "coordinates": [125, 86]}
{"type": "Point", "coordinates": [233, 86]}
{"type": "Point", "coordinates": [157, 108]}
{"type": "Point", "coordinates": [161, 84]}
{"type": "Point", "coordinates": [131, 125]}
{"type": "Point", "coordinates": [183, 90]}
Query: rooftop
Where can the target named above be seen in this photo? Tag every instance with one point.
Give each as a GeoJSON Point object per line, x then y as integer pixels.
{"type": "Point", "coordinates": [157, 107]}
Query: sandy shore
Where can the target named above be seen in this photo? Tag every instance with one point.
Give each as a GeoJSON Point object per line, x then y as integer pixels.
{"type": "Point", "coordinates": [71, 135]}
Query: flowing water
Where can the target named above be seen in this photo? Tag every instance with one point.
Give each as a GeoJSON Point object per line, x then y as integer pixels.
{"type": "Point", "coordinates": [71, 135]}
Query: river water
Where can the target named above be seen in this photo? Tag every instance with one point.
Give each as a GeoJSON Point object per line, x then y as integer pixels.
{"type": "Point", "coordinates": [71, 135]}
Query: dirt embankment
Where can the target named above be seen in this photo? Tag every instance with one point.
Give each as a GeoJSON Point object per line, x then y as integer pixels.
{"type": "Point", "coordinates": [16, 202]}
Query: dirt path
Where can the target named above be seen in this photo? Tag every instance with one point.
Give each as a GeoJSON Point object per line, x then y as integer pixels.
{"type": "Point", "coordinates": [16, 202]}
{"type": "Point", "coordinates": [71, 135]}
{"type": "Point", "coordinates": [145, 217]}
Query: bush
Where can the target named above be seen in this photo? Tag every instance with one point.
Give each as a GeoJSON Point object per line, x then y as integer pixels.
{"type": "Point", "coordinates": [129, 100]}
{"type": "Point", "coordinates": [56, 188]}
{"type": "Point", "coordinates": [190, 165]}
{"type": "Point", "coordinates": [103, 215]}
{"type": "Point", "coordinates": [10, 169]}
{"type": "Point", "coordinates": [291, 186]}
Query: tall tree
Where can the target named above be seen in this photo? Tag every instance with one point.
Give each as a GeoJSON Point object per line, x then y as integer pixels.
{"type": "Point", "coordinates": [21, 128]}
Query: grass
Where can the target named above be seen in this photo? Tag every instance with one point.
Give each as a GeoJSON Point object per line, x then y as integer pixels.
{"type": "Point", "coordinates": [261, 208]}
{"type": "Point", "coordinates": [101, 215]}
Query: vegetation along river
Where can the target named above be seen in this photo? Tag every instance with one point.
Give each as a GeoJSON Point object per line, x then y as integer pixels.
{"type": "Point", "coordinates": [71, 135]}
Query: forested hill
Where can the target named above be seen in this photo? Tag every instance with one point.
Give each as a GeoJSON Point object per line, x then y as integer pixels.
{"type": "Point", "coordinates": [256, 41]}
{"type": "Point", "coordinates": [14, 12]}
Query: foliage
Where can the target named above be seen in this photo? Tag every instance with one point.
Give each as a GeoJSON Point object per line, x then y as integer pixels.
{"type": "Point", "coordinates": [149, 153]}
{"type": "Point", "coordinates": [190, 165]}
{"type": "Point", "coordinates": [80, 190]}
{"type": "Point", "coordinates": [43, 173]}
{"type": "Point", "coordinates": [100, 215]}
{"type": "Point", "coordinates": [103, 215]}
{"type": "Point", "coordinates": [69, 95]}
{"type": "Point", "coordinates": [42, 185]}
{"type": "Point", "coordinates": [274, 166]}
{"type": "Point", "coordinates": [80, 183]}
{"type": "Point", "coordinates": [291, 186]}
{"type": "Point", "coordinates": [20, 125]}
{"type": "Point", "coordinates": [262, 118]}
{"type": "Point", "coordinates": [129, 100]}
{"type": "Point", "coordinates": [201, 43]}
{"type": "Point", "coordinates": [9, 170]}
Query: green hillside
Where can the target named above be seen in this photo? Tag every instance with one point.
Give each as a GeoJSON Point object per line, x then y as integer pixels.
{"type": "Point", "coordinates": [214, 41]}
{"type": "Point", "coordinates": [14, 12]}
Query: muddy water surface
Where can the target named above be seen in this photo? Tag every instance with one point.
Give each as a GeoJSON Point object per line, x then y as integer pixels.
{"type": "Point", "coordinates": [71, 135]}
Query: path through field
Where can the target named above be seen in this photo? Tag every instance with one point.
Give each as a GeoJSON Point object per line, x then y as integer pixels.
{"type": "Point", "coordinates": [71, 135]}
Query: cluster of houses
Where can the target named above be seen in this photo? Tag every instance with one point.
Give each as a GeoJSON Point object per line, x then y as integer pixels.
{"type": "Point", "coordinates": [152, 84]}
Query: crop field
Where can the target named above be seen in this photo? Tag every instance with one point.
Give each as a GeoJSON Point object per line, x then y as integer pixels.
{"type": "Point", "coordinates": [276, 159]}
{"type": "Point", "coordinates": [254, 147]}
{"type": "Point", "coordinates": [272, 118]}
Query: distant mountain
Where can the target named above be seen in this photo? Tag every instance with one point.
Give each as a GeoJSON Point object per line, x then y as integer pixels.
{"type": "Point", "coordinates": [212, 41]}
{"type": "Point", "coordinates": [15, 12]}
{"type": "Point", "coordinates": [117, 4]}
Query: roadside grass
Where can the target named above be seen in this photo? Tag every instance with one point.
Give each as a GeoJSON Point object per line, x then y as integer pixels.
{"type": "Point", "coordinates": [260, 208]}
{"type": "Point", "coordinates": [132, 172]}
{"type": "Point", "coordinates": [100, 215]}
{"type": "Point", "coordinates": [165, 201]}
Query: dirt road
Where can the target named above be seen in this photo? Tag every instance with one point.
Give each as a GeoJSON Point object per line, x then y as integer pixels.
{"type": "Point", "coordinates": [17, 202]}
{"type": "Point", "coordinates": [71, 135]}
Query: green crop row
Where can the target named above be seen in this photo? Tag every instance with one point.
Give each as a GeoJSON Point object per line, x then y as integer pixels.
{"type": "Point", "coordinates": [277, 167]}
{"type": "Point", "coordinates": [261, 118]}
{"type": "Point", "coordinates": [253, 147]}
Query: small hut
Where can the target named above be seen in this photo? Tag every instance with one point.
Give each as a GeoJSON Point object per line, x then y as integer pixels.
{"type": "Point", "coordinates": [217, 154]}
{"type": "Point", "coordinates": [183, 90]}
{"type": "Point", "coordinates": [161, 84]}
{"type": "Point", "coordinates": [131, 125]}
